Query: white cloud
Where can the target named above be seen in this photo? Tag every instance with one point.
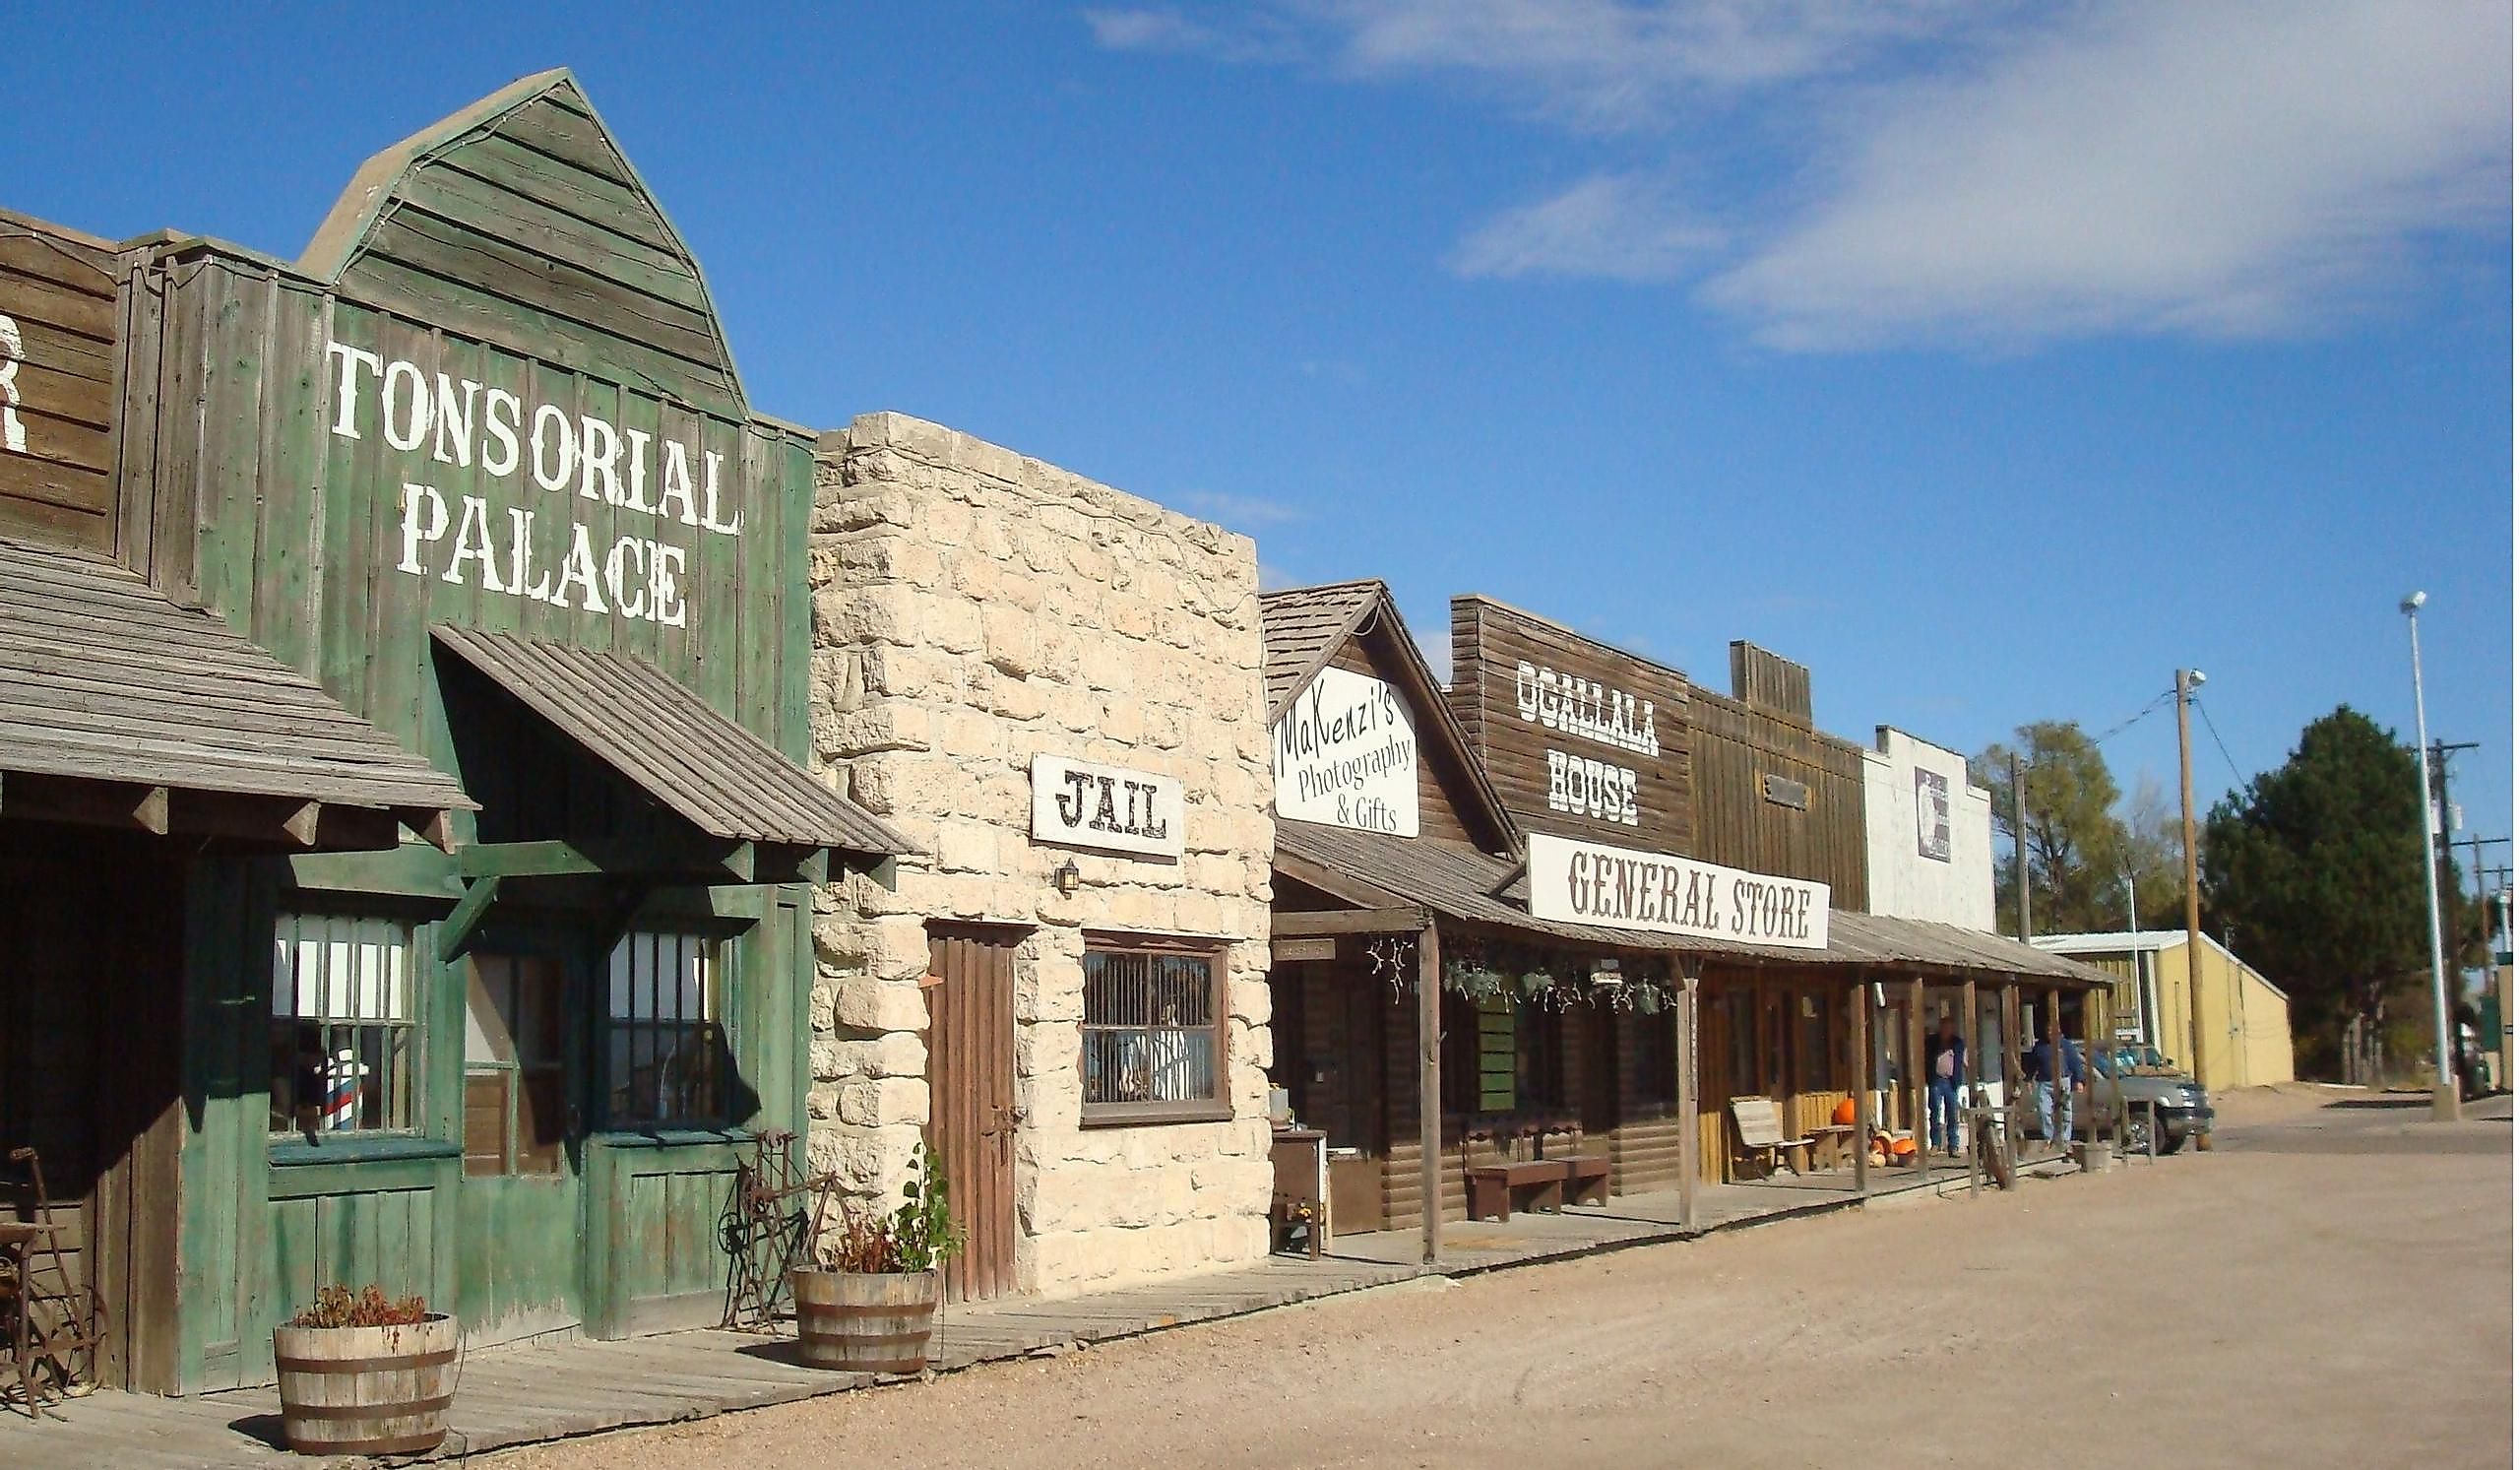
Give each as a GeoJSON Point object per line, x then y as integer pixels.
{"type": "Point", "coordinates": [2218, 170]}
{"type": "Point", "coordinates": [1244, 511]}
{"type": "Point", "coordinates": [1890, 172]}
{"type": "Point", "coordinates": [1608, 65]}
{"type": "Point", "coordinates": [1609, 226]}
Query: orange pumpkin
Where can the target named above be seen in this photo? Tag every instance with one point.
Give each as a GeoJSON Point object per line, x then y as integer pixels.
{"type": "Point", "coordinates": [1901, 1148]}
{"type": "Point", "coordinates": [1845, 1115]}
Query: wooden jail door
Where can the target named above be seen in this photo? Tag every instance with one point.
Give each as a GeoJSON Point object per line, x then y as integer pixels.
{"type": "Point", "coordinates": [971, 1100]}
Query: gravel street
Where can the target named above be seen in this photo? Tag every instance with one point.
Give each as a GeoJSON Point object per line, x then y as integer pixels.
{"type": "Point", "coordinates": [2331, 1285]}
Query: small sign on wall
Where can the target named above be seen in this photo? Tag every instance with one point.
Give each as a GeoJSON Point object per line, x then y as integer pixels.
{"type": "Point", "coordinates": [1934, 816]}
{"type": "Point", "coordinates": [1345, 755]}
{"type": "Point", "coordinates": [1076, 803]}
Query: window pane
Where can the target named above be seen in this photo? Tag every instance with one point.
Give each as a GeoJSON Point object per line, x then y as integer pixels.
{"type": "Point", "coordinates": [1150, 1033]}
{"type": "Point", "coordinates": [662, 1050]}
{"type": "Point", "coordinates": [344, 1050]}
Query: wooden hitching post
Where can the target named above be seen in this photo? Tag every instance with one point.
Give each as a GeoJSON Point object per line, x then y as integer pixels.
{"type": "Point", "coordinates": [2008, 1032]}
{"type": "Point", "coordinates": [1972, 1062]}
{"type": "Point", "coordinates": [2057, 1073]}
{"type": "Point", "coordinates": [1430, 1099]}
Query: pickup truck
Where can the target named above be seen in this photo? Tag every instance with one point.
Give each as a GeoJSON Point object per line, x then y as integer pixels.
{"type": "Point", "coordinates": [2135, 1076]}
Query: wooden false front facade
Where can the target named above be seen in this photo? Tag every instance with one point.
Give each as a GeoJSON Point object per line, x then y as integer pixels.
{"type": "Point", "coordinates": [475, 475]}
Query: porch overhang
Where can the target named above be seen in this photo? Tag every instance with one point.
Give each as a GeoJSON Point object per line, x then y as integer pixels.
{"type": "Point", "coordinates": [120, 709]}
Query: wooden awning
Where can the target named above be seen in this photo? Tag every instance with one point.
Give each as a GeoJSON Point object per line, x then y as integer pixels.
{"type": "Point", "coordinates": [704, 767]}
{"type": "Point", "coordinates": [1462, 882]}
{"type": "Point", "coordinates": [119, 707]}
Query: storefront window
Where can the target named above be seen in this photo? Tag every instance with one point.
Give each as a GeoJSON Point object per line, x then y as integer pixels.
{"type": "Point", "coordinates": [1541, 1039]}
{"type": "Point", "coordinates": [1153, 1034]}
{"type": "Point", "coordinates": [1811, 1041]}
{"type": "Point", "coordinates": [346, 1041]}
{"type": "Point", "coordinates": [666, 1055]}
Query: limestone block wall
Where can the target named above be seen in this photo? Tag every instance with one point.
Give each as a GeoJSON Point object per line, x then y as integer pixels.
{"type": "Point", "coordinates": [973, 608]}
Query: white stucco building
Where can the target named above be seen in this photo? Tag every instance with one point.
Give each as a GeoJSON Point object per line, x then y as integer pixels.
{"type": "Point", "coordinates": [1928, 834]}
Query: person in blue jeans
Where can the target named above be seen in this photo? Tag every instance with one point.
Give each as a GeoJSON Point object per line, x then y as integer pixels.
{"type": "Point", "coordinates": [1946, 1069]}
{"type": "Point", "coordinates": [2055, 1102]}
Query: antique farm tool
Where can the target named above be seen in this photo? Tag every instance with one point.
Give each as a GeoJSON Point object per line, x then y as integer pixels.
{"type": "Point", "coordinates": [53, 1322]}
{"type": "Point", "coordinates": [776, 1210]}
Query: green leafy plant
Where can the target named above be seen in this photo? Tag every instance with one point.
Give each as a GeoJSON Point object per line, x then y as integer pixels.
{"type": "Point", "coordinates": [919, 1236]}
{"type": "Point", "coordinates": [923, 1233]}
{"type": "Point", "coordinates": [340, 1306]}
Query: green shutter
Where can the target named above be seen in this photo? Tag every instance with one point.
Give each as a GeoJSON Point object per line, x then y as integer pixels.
{"type": "Point", "coordinates": [1495, 1054]}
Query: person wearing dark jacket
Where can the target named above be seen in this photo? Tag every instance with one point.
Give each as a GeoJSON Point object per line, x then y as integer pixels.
{"type": "Point", "coordinates": [1946, 1069]}
{"type": "Point", "coordinates": [2056, 1098]}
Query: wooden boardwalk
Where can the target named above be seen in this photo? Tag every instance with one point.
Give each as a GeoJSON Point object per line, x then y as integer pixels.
{"type": "Point", "coordinates": [524, 1396]}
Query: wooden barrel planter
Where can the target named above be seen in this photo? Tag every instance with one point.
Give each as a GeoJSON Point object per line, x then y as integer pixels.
{"type": "Point", "coordinates": [366, 1390]}
{"type": "Point", "coordinates": [865, 1322]}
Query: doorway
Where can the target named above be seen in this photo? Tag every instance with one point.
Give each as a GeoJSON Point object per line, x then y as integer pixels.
{"type": "Point", "coordinates": [971, 1092]}
{"type": "Point", "coordinates": [524, 1202]}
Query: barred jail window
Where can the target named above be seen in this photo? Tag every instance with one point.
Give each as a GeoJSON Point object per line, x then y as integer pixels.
{"type": "Point", "coordinates": [1153, 1034]}
{"type": "Point", "coordinates": [666, 1055]}
{"type": "Point", "coordinates": [346, 1041]}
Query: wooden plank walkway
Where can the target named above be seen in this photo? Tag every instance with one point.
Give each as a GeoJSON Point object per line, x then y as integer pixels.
{"type": "Point", "coordinates": [529, 1395]}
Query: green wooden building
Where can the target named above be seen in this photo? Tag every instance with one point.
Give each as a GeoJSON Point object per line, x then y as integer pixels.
{"type": "Point", "coordinates": [411, 702]}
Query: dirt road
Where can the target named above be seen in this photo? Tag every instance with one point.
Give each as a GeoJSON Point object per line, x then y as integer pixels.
{"type": "Point", "coordinates": [2331, 1286]}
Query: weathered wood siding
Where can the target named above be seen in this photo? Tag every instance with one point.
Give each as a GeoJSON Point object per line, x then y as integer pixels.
{"type": "Point", "coordinates": [274, 420]}
{"type": "Point", "coordinates": [1743, 822]}
{"type": "Point", "coordinates": [1443, 791]}
{"type": "Point", "coordinates": [1492, 645]}
{"type": "Point", "coordinates": [60, 324]}
{"type": "Point", "coordinates": [297, 533]}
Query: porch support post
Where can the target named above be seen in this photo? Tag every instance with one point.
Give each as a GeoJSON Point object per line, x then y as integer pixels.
{"type": "Point", "coordinates": [2056, 1070]}
{"type": "Point", "coordinates": [1859, 1053]}
{"type": "Point", "coordinates": [1970, 1041]}
{"type": "Point", "coordinates": [1922, 1160]}
{"type": "Point", "coordinates": [2008, 1031]}
{"type": "Point", "coordinates": [1430, 1099]}
{"type": "Point", "coordinates": [1685, 1021]}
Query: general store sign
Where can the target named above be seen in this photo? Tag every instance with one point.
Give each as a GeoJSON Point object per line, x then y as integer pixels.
{"type": "Point", "coordinates": [1345, 755]}
{"type": "Point", "coordinates": [1587, 882]}
{"type": "Point", "coordinates": [1079, 805]}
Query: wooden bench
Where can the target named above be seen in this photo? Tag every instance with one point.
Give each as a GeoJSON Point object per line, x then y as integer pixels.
{"type": "Point", "coordinates": [1832, 1144]}
{"type": "Point", "coordinates": [1762, 1134]}
{"type": "Point", "coordinates": [1587, 1179]}
{"type": "Point", "coordinates": [1494, 1187]}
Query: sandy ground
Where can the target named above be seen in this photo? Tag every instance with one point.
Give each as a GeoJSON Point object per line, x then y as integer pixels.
{"type": "Point", "coordinates": [2330, 1286]}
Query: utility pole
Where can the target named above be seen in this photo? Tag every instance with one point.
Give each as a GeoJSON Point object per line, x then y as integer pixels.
{"type": "Point", "coordinates": [2475, 847]}
{"type": "Point", "coordinates": [2020, 852]}
{"type": "Point", "coordinates": [2184, 683]}
{"type": "Point", "coordinates": [2445, 1087]}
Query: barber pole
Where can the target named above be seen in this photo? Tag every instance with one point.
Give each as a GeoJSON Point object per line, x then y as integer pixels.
{"type": "Point", "coordinates": [341, 1076]}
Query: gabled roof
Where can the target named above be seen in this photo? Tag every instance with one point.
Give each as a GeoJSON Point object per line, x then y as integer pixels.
{"type": "Point", "coordinates": [1303, 629]}
{"type": "Point", "coordinates": [103, 679]}
{"type": "Point", "coordinates": [1304, 626]}
{"type": "Point", "coordinates": [520, 220]}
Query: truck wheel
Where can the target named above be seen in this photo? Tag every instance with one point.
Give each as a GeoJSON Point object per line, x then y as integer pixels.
{"type": "Point", "coordinates": [2139, 1135]}
{"type": "Point", "coordinates": [2172, 1142]}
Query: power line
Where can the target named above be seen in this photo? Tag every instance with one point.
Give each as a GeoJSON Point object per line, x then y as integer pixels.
{"type": "Point", "coordinates": [2132, 720]}
{"type": "Point", "coordinates": [2238, 778]}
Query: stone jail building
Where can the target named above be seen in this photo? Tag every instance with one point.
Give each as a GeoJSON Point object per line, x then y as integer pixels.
{"type": "Point", "coordinates": [1053, 692]}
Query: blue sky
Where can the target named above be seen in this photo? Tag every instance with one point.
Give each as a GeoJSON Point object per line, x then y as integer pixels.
{"type": "Point", "coordinates": [1993, 359]}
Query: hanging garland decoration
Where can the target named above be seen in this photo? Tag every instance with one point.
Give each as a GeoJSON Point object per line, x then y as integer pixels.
{"type": "Point", "coordinates": [1394, 959]}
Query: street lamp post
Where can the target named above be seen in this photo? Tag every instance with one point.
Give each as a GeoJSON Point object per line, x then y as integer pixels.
{"type": "Point", "coordinates": [2445, 1087]}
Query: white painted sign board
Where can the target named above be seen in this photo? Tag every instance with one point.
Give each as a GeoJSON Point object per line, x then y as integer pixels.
{"type": "Point", "coordinates": [1587, 882]}
{"type": "Point", "coordinates": [1076, 803]}
{"type": "Point", "coordinates": [1345, 755]}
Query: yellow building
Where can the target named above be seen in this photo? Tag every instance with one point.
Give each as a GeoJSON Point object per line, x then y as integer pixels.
{"type": "Point", "coordinates": [2248, 1022]}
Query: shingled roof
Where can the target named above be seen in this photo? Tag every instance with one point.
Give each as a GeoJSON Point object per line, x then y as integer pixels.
{"type": "Point", "coordinates": [1304, 626]}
